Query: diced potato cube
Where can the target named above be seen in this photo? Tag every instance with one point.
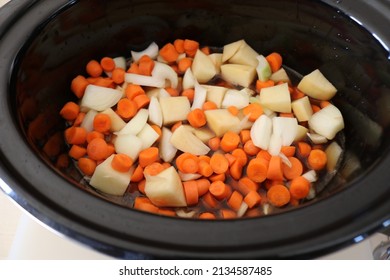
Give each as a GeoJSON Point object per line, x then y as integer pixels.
{"type": "Point", "coordinates": [302, 109]}
{"type": "Point", "coordinates": [221, 121]}
{"type": "Point", "coordinates": [317, 86]}
{"type": "Point", "coordinates": [174, 109]}
{"type": "Point", "coordinates": [276, 98]}
{"type": "Point", "coordinates": [203, 67]}
{"type": "Point", "coordinates": [238, 74]}
{"type": "Point", "coordinates": [215, 94]}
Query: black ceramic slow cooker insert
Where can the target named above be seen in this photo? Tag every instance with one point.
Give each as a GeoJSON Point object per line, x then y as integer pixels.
{"type": "Point", "coordinates": [44, 44]}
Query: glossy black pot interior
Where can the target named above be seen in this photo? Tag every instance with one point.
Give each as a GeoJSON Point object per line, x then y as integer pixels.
{"type": "Point", "coordinates": [44, 44]}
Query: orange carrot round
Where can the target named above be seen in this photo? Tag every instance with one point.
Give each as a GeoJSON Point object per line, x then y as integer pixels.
{"type": "Point", "coordinates": [250, 148]}
{"type": "Point", "coordinates": [78, 86]}
{"type": "Point", "coordinates": [190, 47]}
{"type": "Point", "coordinates": [75, 135]}
{"type": "Point", "coordinates": [220, 190]}
{"type": "Point", "coordinates": [219, 163]}
{"type": "Point", "coordinates": [191, 192]}
{"type": "Point", "coordinates": [317, 159]}
{"type": "Point", "coordinates": [97, 149]}
{"type": "Point", "coordinates": [253, 198]}
{"type": "Point", "coordinates": [253, 111]}
{"type": "Point", "coordinates": [190, 93]}
{"type": "Point", "coordinates": [213, 143]}
{"type": "Point", "coordinates": [87, 166]}
{"type": "Point", "coordinates": [138, 174]}
{"type": "Point", "coordinates": [121, 162]}
{"type": "Point", "coordinates": [179, 45]}
{"type": "Point", "coordinates": [77, 152]}
{"type": "Point", "coordinates": [107, 64]}
{"type": "Point", "coordinates": [207, 216]}
{"type": "Point", "coordinates": [260, 85]}
{"type": "Point", "coordinates": [278, 195]}
{"type": "Point", "coordinates": [118, 76]}
{"type": "Point", "coordinates": [132, 91]}
{"type": "Point", "coordinates": [235, 200]}
{"type": "Point", "coordinates": [230, 141]}
{"type": "Point", "coordinates": [94, 69]}
{"type": "Point", "coordinates": [102, 123]}
{"type": "Point", "coordinates": [299, 187]}
{"type": "Point", "coordinates": [275, 171]}
{"type": "Point", "coordinates": [275, 61]}
{"type": "Point", "coordinates": [126, 108]}
{"type": "Point", "coordinates": [203, 186]}
{"type": "Point", "coordinates": [209, 105]}
{"type": "Point", "coordinates": [184, 64]}
{"type": "Point", "coordinates": [70, 111]}
{"type": "Point", "coordinates": [196, 118]}
{"type": "Point", "coordinates": [148, 156]}
{"type": "Point", "coordinates": [295, 170]}
{"type": "Point", "coordinates": [169, 53]}
{"type": "Point", "coordinates": [257, 170]}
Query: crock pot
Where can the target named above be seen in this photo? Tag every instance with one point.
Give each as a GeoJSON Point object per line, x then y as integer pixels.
{"type": "Point", "coordinates": [44, 44]}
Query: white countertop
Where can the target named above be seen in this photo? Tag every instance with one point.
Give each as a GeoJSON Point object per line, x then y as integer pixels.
{"type": "Point", "coordinates": [23, 237]}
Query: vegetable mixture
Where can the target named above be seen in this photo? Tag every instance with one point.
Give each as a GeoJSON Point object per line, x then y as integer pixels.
{"type": "Point", "coordinates": [192, 132]}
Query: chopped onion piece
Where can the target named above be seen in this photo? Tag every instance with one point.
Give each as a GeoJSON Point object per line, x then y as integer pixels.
{"type": "Point", "coordinates": [333, 153]}
{"type": "Point", "coordinates": [87, 122]}
{"type": "Point", "coordinates": [237, 98]}
{"type": "Point", "coordinates": [143, 80]}
{"type": "Point", "coordinates": [183, 214]}
{"type": "Point", "coordinates": [285, 159]}
{"type": "Point", "coordinates": [199, 97]}
{"type": "Point", "coordinates": [155, 113]}
{"type": "Point", "coordinates": [242, 210]}
{"type": "Point", "coordinates": [164, 72]}
{"type": "Point", "coordinates": [188, 79]}
{"type": "Point", "coordinates": [167, 150]}
{"type": "Point", "coordinates": [311, 176]}
{"type": "Point", "coordinates": [189, 176]}
{"type": "Point", "coordinates": [275, 144]}
{"type": "Point", "coordinates": [151, 51]}
{"type": "Point", "coordinates": [317, 138]}
{"type": "Point", "coordinates": [136, 124]}
{"type": "Point", "coordinates": [261, 132]}
{"type": "Point", "coordinates": [100, 98]}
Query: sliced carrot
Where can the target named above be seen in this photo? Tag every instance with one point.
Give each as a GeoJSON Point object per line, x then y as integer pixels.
{"type": "Point", "coordinates": [142, 100]}
{"type": "Point", "coordinates": [166, 212]}
{"type": "Point", "coordinates": [132, 91]}
{"type": "Point", "coordinates": [94, 69]}
{"type": "Point", "coordinates": [133, 69]}
{"type": "Point", "coordinates": [144, 204]}
{"type": "Point", "coordinates": [245, 135]}
{"type": "Point", "coordinates": [220, 190]}
{"type": "Point", "coordinates": [141, 186]}
{"type": "Point", "coordinates": [253, 111]}
{"type": "Point", "coordinates": [295, 170]}
{"type": "Point", "coordinates": [70, 111]}
{"type": "Point", "coordinates": [205, 158]}
{"type": "Point", "coordinates": [204, 168]}
{"type": "Point", "coordinates": [209, 200]}
{"type": "Point", "coordinates": [296, 94]}
{"type": "Point", "coordinates": [138, 174]}
{"type": "Point", "coordinates": [172, 91]}
{"type": "Point", "coordinates": [219, 163]}
{"type": "Point", "coordinates": [121, 162]}
{"type": "Point", "coordinates": [209, 105]}
{"type": "Point", "coordinates": [299, 187]}
{"type": "Point", "coordinates": [231, 159]}
{"type": "Point", "coordinates": [235, 200]}
{"type": "Point", "coordinates": [252, 199]}
{"type": "Point", "coordinates": [245, 185]}
{"type": "Point", "coordinates": [230, 141]}
{"type": "Point", "coordinates": [317, 159]}
{"type": "Point", "coordinates": [217, 177]}
{"type": "Point", "coordinates": [275, 171]}
{"type": "Point", "coordinates": [203, 186]}
{"type": "Point", "coordinates": [278, 195]}
{"type": "Point", "coordinates": [79, 119]}
{"type": "Point", "coordinates": [102, 123]}
{"type": "Point", "coordinates": [107, 64]}
{"type": "Point", "coordinates": [148, 156]}
{"type": "Point", "coordinates": [190, 47]}
{"type": "Point", "coordinates": [145, 65]}
{"type": "Point", "coordinates": [206, 50]}
{"type": "Point", "coordinates": [184, 64]}
{"type": "Point", "coordinates": [228, 214]}
{"type": "Point", "coordinates": [190, 93]}
{"type": "Point", "coordinates": [240, 155]}
{"type": "Point", "coordinates": [260, 85]}
{"type": "Point", "coordinates": [78, 85]}
{"type": "Point", "coordinates": [207, 216]}
{"type": "Point", "coordinates": [288, 151]}
{"type": "Point", "coordinates": [110, 149]}
{"type": "Point", "coordinates": [97, 149]}
{"type": "Point", "coordinates": [190, 165]}
{"type": "Point", "coordinates": [94, 134]}
{"type": "Point", "coordinates": [75, 135]}
{"type": "Point", "coordinates": [250, 148]}
{"type": "Point", "coordinates": [214, 143]}
{"type": "Point", "coordinates": [126, 108]}
{"type": "Point", "coordinates": [324, 103]}
{"type": "Point", "coordinates": [236, 170]}
{"type": "Point", "coordinates": [257, 170]}
{"type": "Point", "coordinates": [169, 53]}
{"type": "Point", "coordinates": [118, 76]}
{"type": "Point", "coordinates": [179, 45]}
{"type": "Point", "coordinates": [191, 192]}
{"type": "Point", "coordinates": [233, 110]}
{"type": "Point", "coordinates": [104, 82]}
{"type": "Point", "coordinates": [77, 152]}
{"type": "Point", "coordinates": [315, 108]}
{"type": "Point", "coordinates": [157, 129]}
{"type": "Point", "coordinates": [275, 61]}
{"type": "Point", "coordinates": [264, 154]}
{"type": "Point", "coordinates": [176, 125]}
{"type": "Point", "coordinates": [196, 118]}
{"type": "Point", "coordinates": [304, 149]}
{"type": "Point", "coordinates": [87, 166]}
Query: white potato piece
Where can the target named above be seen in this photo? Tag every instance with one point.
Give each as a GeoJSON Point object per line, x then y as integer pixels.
{"type": "Point", "coordinates": [302, 109]}
{"type": "Point", "coordinates": [333, 153]}
{"type": "Point", "coordinates": [147, 136]}
{"type": "Point", "coordinates": [128, 144]}
{"type": "Point", "coordinates": [116, 121]}
{"type": "Point", "coordinates": [107, 180]}
{"type": "Point", "coordinates": [216, 58]}
{"type": "Point", "coordinates": [167, 150]}
{"type": "Point", "coordinates": [245, 55]}
{"type": "Point", "coordinates": [316, 85]}
{"type": "Point", "coordinates": [203, 67]}
{"type": "Point", "coordinates": [280, 76]}
{"type": "Point", "coordinates": [135, 125]}
{"type": "Point", "coordinates": [165, 189]}
{"type": "Point", "coordinates": [204, 134]}
{"type": "Point", "coordinates": [327, 122]}
{"type": "Point", "coordinates": [301, 133]}
{"type": "Point", "coordinates": [99, 98]}
{"type": "Point", "coordinates": [174, 109]}
{"type": "Point", "coordinates": [276, 98]}
{"type": "Point", "coordinates": [221, 121]}
{"type": "Point", "coordinates": [230, 49]}
{"type": "Point", "coordinates": [184, 140]}
{"type": "Point", "coordinates": [238, 74]}
{"type": "Point", "coordinates": [87, 122]}
{"type": "Point", "coordinates": [215, 94]}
